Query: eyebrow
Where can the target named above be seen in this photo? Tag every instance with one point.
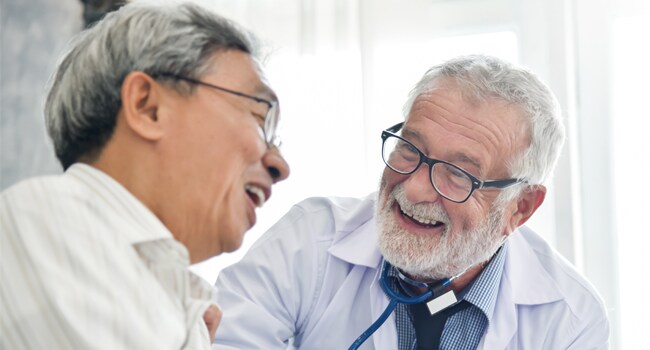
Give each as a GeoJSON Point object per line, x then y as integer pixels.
{"type": "Point", "coordinates": [410, 134]}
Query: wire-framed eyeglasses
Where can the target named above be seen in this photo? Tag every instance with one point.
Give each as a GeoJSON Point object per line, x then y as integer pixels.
{"type": "Point", "coordinates": [449, 180]}
{"type": "Point", "coordinates": [270, 120]}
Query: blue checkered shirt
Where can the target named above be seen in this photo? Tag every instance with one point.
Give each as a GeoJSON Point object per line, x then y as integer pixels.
{"type": "Point", "coordinates": [464, 329]}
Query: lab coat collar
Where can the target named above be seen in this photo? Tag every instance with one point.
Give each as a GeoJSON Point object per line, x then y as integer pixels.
{"type": "Point", "coordinates": [531, 284]}
{"type": "Point", "coordinates": [524, 282]}
{"type": "Point", "coordinates": [355, 240]}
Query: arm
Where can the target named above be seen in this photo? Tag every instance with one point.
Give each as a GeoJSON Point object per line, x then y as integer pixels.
{"type": "Point", "coordinates": [595, 332]}
{"type": "Point", "coordinates": [267, 296]}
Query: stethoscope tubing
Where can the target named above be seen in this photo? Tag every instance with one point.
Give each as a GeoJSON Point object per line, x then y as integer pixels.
{"type": "Point", "coordinates": [394, 298]}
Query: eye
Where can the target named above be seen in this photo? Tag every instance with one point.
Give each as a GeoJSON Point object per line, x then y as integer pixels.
{"type": "Point", "coordinates": [456, 178]}
{"type": "Point", "coordinates": [412, 148]}
{"type": "Point", "coordinates": [406, 148]}
{"type": "Point", "coordinates": [407, 151]}
{"type": "Point", "coordinates": [455, 172]}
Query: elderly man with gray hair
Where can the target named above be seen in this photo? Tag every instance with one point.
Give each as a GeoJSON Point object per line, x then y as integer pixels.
{"type": "Point", "coordinates": [440, 257]}
{"type": "Point", "coordinates": [165, 126]}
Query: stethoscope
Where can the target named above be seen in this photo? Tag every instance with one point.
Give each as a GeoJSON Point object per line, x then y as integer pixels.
{"type": "Point", "coordinates": [434, 290]}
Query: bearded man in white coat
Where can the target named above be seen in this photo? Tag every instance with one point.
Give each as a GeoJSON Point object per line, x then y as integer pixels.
{"type": "Point", "coordinates": [440, 255]}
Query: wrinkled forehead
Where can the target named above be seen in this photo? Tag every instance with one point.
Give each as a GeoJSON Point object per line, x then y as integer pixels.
{"type": "Point", "coordinates": [479, 135]}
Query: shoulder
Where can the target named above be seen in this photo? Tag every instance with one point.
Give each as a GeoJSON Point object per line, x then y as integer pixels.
{"type": "Point", "coordinates": [320, 219]}
{"type": "Point", "coordinates": [38, 188]}
{"type": "Point", "coordinates": [570, 281]}
{"type": "Point", "coordinates": [38, 201]}
{"type": "Point", "coordinates": [346, 212]}
{"type": "Point", "coordinates": [57, 216]}
{"type": "Point", "coordinates": [578, 298]}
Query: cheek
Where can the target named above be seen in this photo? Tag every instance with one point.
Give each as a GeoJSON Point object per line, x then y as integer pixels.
{"type": "Point", "coordinates": [466, 216]}
{"type": "Point", "coordinates": [389, 180]}
{"type": "Point", "coordinates": [386, 185]}
{"type": "Point", "coordinates": [249, 147]}
{"type": "Point", "coordinates": [239, 153]}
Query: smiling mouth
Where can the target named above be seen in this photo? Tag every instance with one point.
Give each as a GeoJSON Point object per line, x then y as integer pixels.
{"type": "Point", "coordinates": [419, 220]}
{"type": "Point", "coordinates": [256, 194]}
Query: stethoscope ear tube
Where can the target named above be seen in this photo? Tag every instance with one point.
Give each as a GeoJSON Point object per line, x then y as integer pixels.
{"type": "Point", "coordinates": [395, 298]}
{"type": "Point", "coordinates": [375, 325]}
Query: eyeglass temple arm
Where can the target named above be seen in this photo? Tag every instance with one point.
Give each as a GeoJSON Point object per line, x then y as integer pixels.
{"type": "Point", "coordinates": [196, 81]}
{"type": "Point", "coordinates": [395, 128]}
{"type": "Point", "coordinates": [502, 183]}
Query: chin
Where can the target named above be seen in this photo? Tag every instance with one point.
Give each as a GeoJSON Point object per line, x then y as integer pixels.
{"type": "Point", "coordinates": [232, 241]}
{"type": "Point", "coordinates": [231, 248]}
{"type": "Point", "coordinates": [436, 256]}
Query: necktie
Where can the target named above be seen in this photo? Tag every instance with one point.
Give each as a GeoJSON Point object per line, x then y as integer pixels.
{"type": "Point", "coordinates": [428, 328]}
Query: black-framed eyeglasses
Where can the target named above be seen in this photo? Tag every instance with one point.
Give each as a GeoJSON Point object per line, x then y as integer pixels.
{"type": "Point", "coordinates": [269, 120]}
{"type": "Point", "coordinates": [449, 180]}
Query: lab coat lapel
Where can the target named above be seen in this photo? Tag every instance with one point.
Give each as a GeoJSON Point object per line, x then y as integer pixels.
{"type": "Point", "coordinates": [503, 324]}
{"type": "Point", "coordinates": [359, 247]}
{"type": "Point", "coordinates": [524, 282]}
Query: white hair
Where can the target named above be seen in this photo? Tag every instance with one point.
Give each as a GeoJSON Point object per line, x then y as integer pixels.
{"type": "Point", "coordinates": [483, 78]}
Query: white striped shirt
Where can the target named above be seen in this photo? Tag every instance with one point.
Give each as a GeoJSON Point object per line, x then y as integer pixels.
{"type": "Point", "coordinates": [85, 265]}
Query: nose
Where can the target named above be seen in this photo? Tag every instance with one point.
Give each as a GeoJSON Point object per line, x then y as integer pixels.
{"type": "Point", "coordinates": [418, 187]}
{"type": "Point", "coordinates": [276, 165]}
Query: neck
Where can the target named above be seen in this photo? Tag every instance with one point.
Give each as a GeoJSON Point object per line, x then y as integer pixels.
{"type": "Point", "coordinates": [459, 283]}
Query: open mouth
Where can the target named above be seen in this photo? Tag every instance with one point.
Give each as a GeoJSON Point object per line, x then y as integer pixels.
{"type": "Point", "coordinates": [256, 194]}
{"type": "Point", "coordinates": [425, 222]}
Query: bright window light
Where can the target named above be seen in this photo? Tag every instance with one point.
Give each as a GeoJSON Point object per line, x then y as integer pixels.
{"type": "Point", "coordinates": [631, 151]}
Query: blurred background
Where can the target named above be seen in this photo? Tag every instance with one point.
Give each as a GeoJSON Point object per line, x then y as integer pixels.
{"type": "Point", "coordinates": [343, 68]}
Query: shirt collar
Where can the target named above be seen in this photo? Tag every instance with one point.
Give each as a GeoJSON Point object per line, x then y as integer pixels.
{"type": "Point", "coordinates": [123, 203]}
{"type": "Point", "coordinates": [482, 293]}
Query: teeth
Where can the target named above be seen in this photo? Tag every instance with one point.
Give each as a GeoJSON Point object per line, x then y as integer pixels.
{"type": "Point", "coordinates": [419, 219]}
{"type": "Point", "coordinates": [258, 193]}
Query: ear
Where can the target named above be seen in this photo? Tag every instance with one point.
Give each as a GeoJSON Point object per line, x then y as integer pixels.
{"type": "Point", "coordinates": [141, 96]}
{"type": "Point", "coordinates": [527, 204]}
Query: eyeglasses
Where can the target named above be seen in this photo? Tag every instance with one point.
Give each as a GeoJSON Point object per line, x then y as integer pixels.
{"type": "Point", "coordinates": [449, 180]}
{"type": "Point", "coordinates": [269, 121]}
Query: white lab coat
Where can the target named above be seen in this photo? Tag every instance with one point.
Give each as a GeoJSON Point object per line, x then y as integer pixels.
{"type": "Point", "coordinates": [311, 282]}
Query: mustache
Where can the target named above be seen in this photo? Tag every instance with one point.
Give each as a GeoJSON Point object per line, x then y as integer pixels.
{"type": "Point", "coordinates": [431, 211]}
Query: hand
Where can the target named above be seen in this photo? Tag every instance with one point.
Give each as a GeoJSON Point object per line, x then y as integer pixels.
{"type": "Point", "coordinates": [212, 318]}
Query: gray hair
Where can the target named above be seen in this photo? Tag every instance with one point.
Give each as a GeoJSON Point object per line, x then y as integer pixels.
{"type": "Point", "coordinates": [84, 98]}
{"type": "Point", "coordinates": [483, 78]}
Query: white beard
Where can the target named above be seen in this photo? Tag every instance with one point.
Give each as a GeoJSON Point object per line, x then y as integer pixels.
{"type": "Point", "coordinates": [437, 256]}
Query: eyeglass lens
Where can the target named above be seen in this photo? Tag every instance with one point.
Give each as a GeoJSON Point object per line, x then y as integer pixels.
{"type": "Point", "coordinates": [270, 125]}
{"type": "Point", "coordinates": [404, 158]}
